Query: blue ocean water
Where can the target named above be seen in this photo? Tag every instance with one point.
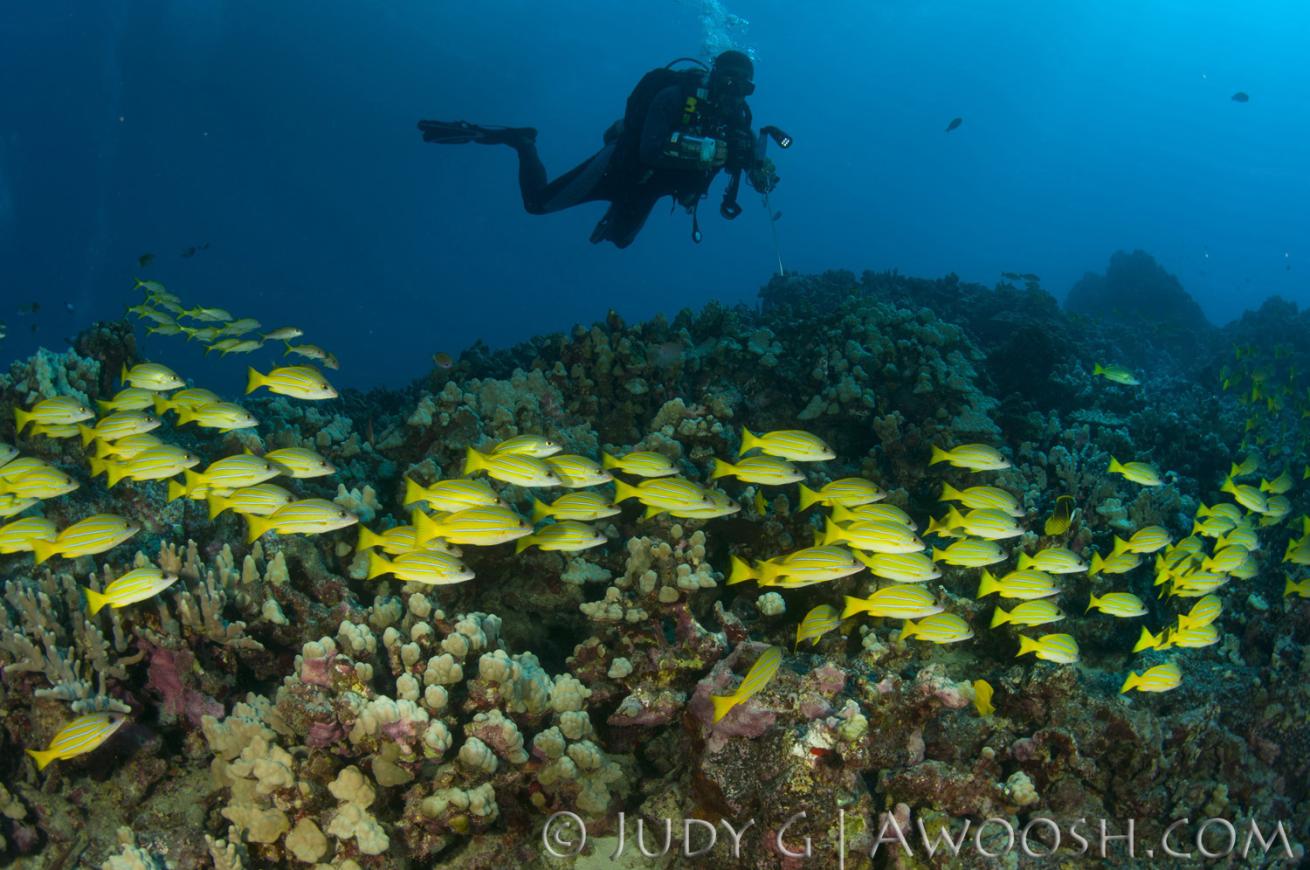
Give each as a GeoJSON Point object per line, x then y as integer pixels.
{"type": "Point", "coordinates": [282, 137]}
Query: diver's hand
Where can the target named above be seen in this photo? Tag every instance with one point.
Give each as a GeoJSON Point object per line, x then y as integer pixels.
{"type": "Point", "coordinates": [762, 177]}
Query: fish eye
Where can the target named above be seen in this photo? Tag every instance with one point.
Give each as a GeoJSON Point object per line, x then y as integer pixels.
{"type": "Point", "coordinates": [341, 513]}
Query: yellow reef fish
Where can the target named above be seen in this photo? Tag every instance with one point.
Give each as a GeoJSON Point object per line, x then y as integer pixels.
{"type": "Point", "coordinates": [82, 735]}
{"type": "Point", "coordinates": [988, 523]}
{"type": "Point", "coordinates": [577, 471]}
{"type": "Point", "coordinates": [879, 513]}
{"type": "Point", "coordinates": [207, 315]}
{"type": "Point", "coordinates": [818, 622]}
{"type": "Point", "coordinates": [803, 567]}
{"type": "Point", "coordinates": [1250, 464]}
{"type": "Point", "coordinates": [477, 526]}
{"type": "Point", "coordinates": [430, 567]}
{"type": "Point", "coordinates": [1053, 560]}
{"type": "Point", "coordinates": [127, 446]}
{"type": "Point", "coordinates": [1160, 678]}
{"type": "Point", "coordinates": [128, 399]}
{"type": "Point", "coordinates": [157, 463]}
{"type": "Point", "coordinates": [982, 697]}
{"type": "Point", "coordinates": [970, 553]}
{"type": "Point", "coordinates": [222, 345]}
{"type": "Point", "coordinates": [756, 679]}
{"type": "Point", "coordinates": [1039, 611]}
{"type": "Point", "coordinates": [940, 628]}
{"type": "Point", "coordinates": [204, 335]}
{"type": "Point", "coordinates": [1117, 563]}
{"type": "Point", "coordinates": [1061, 518]}
{"type": "Point", "coordinates": [1121, 604]}
{"type": "Point", "coordinates": [719, 505]}
{"type": "Point", "coordinates": [241, 327]}
{"type": "Point", "coordinates": [12, 505]}
{"type": "Point", "coordinates": [165, 329]}
{"type": "Point", "coordinates": [641, 463]}
{"type": "Point", "coordinates": [400, 539]}
{"type": "Point", "coordinates": [21, 466]}
{"type": "Point", "coordinates": [845, 492]}
{"type": "Point", "coordinates": [1117, 374]}
{"type": "Point", "coordinates": [1191, 637]}
{"type": "Point", "coordinates": [283, 333]}
{"type": "Point", "coordinates": [1203, 612]}
{"type": "Point", "coordinates": [95, 534]}
{"type": "Point", "coordinates": [1213, 526]}
{"type": "Point", "coordinates": [60, 410]}
{"type": "Point", "coordinates": [1279, 485]}
{"type": "Point", "coordinates": [1059, 648]}
{"type": "Point", "coordinates": [1146, 640]}
{"type": "Point", "coordinates": [1196, 583]}
{"type": "Point", "coordinates": [664, 492]}
{"type": "Point", "coordinates": [894, 602]}
{"type": "Point", "coordinates": [229, 473]}
{"type": "Point", "coordinates": [248, 345]}
{"type": "Point", "coordinates": [1276, 510]}
{"type": "Point", "coordinates": [873, 536]}
{"type": "Point", "coordinates": [298, 382]}
{"type": "Point", "coordinates": [794, 444]}
{"type": "Point", "coordinates": [1145, 540]}
{"type": "Point", "coordinates": [515, 468]}
{"type": "Point", "coordinates": [760, 503]}
{"type": "Point", "coordinates": [901, 567]}
{"type": "Point", "coordinates": [1298, 552]}
{"type": "Point", "coordinates": [300, 462]}
{"type": "Point", "coordinates": [17, 536]}
{"type": "Point", "coordinates": [70, 430]}
{"type": "Point", "coordinates": [1137, 472]}
{"type": "Point", "coordinates": [223, 416]}
{"type": "Point", "coordinates": [1225, 559]}
{"type": "Point", "coordinates": [310, 516]}
{"type": "Point", "coordinates": [1299, 588]}
{"type": "Point", "coordinates": [1246, 495]}
{"type": "Point", "coordinates": [151, 376]}
{"type": "Point", "coordinates": [566, 536]}
{"type": "Point", "coordinates": [1224, 509]}
{"type": "Point", "coordinates": [762, 469]}
{"type": "Point", "coordinates": [536, 446]}
{"type": "Point", "coordinates": [136, 585]}
{"type": "Point", "coordinates": [308, 351]}
{"type": "Point", "coordinates": [1027, 584]}
{"type": "Point", "coordinates": [261, 501]}
{"type": "Point", "coordinates": [119, 424]}
{"type": "Point", "coordinates": [586, 506]}
{"type": "Point", "coordinates": [8, 453]}
{"type": "Point", "coordinates": [1248, 570]}
{"type": "Point", "coordinates": [189, 398]}
{"type": "Point", "coordinates": [986, 497]}
{"type": "Point", "coordinates": [449, 496]}
{"type": "Point", "coordinates": [40, 483]}
{"type": "Point", "coordinates": [974, 457]}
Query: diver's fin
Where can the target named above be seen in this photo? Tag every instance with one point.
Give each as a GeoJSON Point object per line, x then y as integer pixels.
{"type": "Point", "coordinates": [461, 132]}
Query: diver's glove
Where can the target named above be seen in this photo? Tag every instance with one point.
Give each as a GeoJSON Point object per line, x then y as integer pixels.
{"type": "Point", "coordinates": [763, 176]}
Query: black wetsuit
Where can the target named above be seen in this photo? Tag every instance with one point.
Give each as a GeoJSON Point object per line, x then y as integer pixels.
{"type": "Point", "coordinates": [631, 171]}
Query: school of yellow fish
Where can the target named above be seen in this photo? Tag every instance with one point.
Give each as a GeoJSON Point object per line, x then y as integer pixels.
{"type": "Point", "coordinates": [860, 532]}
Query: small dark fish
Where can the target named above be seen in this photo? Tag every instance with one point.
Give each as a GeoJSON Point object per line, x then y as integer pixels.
{"type": "Point", "coordinates": [145, 260]}
{"type": "Point", "coordinates": [1029, 276]}
{"type": "Point", "coordinates": [442, 360]}
{"type": "Point", "coordinates": [955, 123]}
{"type": "Point", "coordinates": [1241, 97]}
{"type": "Point", "coordinates": [29, 308]}
{"type": "Point", "coordinates": [195, 249]}
{"type": "Point", "coordinates": [777, 215]}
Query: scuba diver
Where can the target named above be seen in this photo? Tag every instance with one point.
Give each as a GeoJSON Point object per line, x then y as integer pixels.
{"type": "Point", "coordinates": [679, 129]}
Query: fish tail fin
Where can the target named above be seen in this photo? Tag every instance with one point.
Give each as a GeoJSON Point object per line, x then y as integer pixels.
{"type": "Point", "coordinates": [652, 512]}
{"type": "Point", "coordinates": [162, 405]}
{"type": "Point", "coordinates": [608, 461]}
{"type": "Point", "coordinates": [623, 491]}
{"type": "Point", "coordinates": [114, 472]}
{"type": "Point", "coordinates": [473, 461]}
{"type": "Point", "coordinates": [741, 571]}
{"type": "Point", "coordinates": [176, 491]}
{"type": "Point", "coordinates": [43, 550]}
{"type": "Point", "coordinates": [1026, 645]}
{"type": "Point", "coordinates": [1025, 561]}
{"type": "Point", "coordinates": [41, 757]}
{"type": "Point", "coordinates": [254, 380]}
{"type": "Point", "coordinates": [936, 526]}
{"type": "Point", "coordinates": [414, 492]}
{"type": "Point", "coordinates": [1132, 682]}
{"type": "Point", "coordinates": [1092, 603]}
{"type": "Point", "coordinates": [938, 554]}
{"type": "Point", "coordinates": [909, 629]}
{"type": "Point", "coordinates": [1288, 587]}
{"type": "Point", "coordinates": [377, 565]}
{"type": "Point", "coordinates": [1120, 545]}
{"type": "Point", "coordinates": [808, 496]}
{"type": "Point", "coordinates": [1097, 565]}
{"type": "Point", "coordinates": [94, 600]}
{"type": "Point", "coordinates": [1115, 465]}
{"type": "Point", "coordinates": [939, 455]}
{"type": "Point", "coordinates": [22, 418]}
{"type": "Point", "coordinates": [950, 493]}
{"type": "Point", "coordinates": [186, 415]}
{"type": "Point", "coordinates": [1146, 640]}
{"type": "Point", "coordinates": [1098, 369]}
{"type": "Point", "coordinates": [217, 504]}
{"type": "Point", "coordinates": [720, 469]}
{"type": "Point", "coordinates": [748, 440]}
{"type": "Point", "coordinates": [1000, 617]}
{"type": "Point", "coordinates": [523, 543]}
{"type": "Point", "coordinates": [122, 373]}
{"type": "Point", "coordinates": [88, 434]}
{"type": "Point", "coordinates": [722, 704]}
{"type": "Point", "coordinates": [540, 510]}
{"type": "Point", "coordinates": [425, 528]}
{"type": "Point", "coordinates": [99, 465]}
{"type": "Point", "coordinates": [368, 539]}
{"type": "Point", "coordinates": [988, 584]}
{"type": "Point", "coordinates": [104, 405]}
{"type": "Point", "coordinates": [257, 527]}
{"type": "Point", "coordinates": [852, 605]}
{"type": "Point", "coordinates": [831, 532]}
{"type": "Point", "coordinates": [193, 481]}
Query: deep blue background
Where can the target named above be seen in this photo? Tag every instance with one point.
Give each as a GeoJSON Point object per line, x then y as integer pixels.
{"type": "Point", "coordinates": [283, 135]}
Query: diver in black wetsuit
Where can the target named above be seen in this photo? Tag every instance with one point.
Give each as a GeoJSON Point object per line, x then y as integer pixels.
{"type": "Point", "coordinates": [680, 127]}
